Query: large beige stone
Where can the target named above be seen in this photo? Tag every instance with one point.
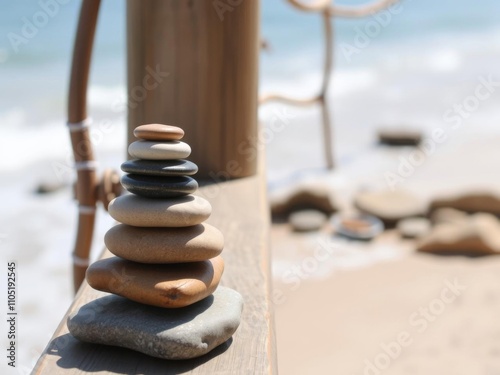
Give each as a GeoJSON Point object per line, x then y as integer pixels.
{"type": "Point", "coordinates": [447, 215]}
{"type": "Point", "coordinates": [470, 202]}
{"type": "Point", "coordinates": [390, 206]}
{"type": "Point", "coordinates": [165, 245]}
{"type": "Point", "coordinates": [175, 212]}
{"type": "Point", "coordinates": [474, 235]}
{"type": "Point", "coordinates": [162, 285]}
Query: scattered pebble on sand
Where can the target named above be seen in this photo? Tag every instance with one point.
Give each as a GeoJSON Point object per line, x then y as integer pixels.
{"type": "Point", "coordinates": [307, 220]}
{"type": "Point", "coordinates": [399, 137]}
{"type": "Point", "coordinates": [390, 206]}
{"type": "Point", "coordinates": [474, 235]}
{"type": "Point", "coordinates": [317, 197]}
{"type": "Point", "coordinates": [414, 227]}
{"type": "Point", "coordinates": [471, 203]}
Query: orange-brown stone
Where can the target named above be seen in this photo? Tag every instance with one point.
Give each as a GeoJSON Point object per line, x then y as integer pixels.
{"type": "Point", "coordinates": [163, 285]}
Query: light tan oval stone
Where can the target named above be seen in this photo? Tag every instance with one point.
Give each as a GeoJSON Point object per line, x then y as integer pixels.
{"type": "Point", "coordinates": [151, 150]}
{"type": "Point", "coordinates": [163, 285]}
{"type": "Point", "coordinates": [175, 212]}
{"type": "Point", "coordinates": [158, 132]}
{"type": "Point", "coordinates": [390, 206]}
{"type": "Point", "coordinates": [165, 245]}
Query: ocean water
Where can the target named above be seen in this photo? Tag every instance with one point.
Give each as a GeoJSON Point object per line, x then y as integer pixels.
{"type": "Point", "coordinates": [418, 44]}
{"type": "Point", "coordinates": [406, 67]}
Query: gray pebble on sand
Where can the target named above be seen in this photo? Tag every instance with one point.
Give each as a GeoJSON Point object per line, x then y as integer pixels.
{"type": "Point", "coordinates": [307, 220]}
{"type": "Point", "coordinates": [414, 227]}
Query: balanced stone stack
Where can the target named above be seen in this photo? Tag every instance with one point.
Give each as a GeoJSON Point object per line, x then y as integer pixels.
{"type": "Point", "coordinates": [167, 264]}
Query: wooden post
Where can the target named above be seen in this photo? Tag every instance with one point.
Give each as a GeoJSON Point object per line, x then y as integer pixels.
{"type": "Point", "coordinates": [195, 65]}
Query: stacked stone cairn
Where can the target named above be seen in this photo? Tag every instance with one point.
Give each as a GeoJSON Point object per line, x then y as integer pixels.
{"type": "Point", "coordinates": [164, 277]}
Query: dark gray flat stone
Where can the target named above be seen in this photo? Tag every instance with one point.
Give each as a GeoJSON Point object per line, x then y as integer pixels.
{"type": "Point", "coordinates": [159, 187]}
{"type": "Point", "coordinates": [178, 167]}
{"type": "Point", "coordinates": [400, 137]}
{"type": "Point", "coordinates": [182, 333]}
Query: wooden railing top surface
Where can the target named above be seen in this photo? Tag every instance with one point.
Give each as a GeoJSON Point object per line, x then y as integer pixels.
{"type": "Point", "coordinates": [240, 211]}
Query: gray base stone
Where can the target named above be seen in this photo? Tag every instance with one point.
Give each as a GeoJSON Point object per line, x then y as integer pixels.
{"type": "Point", "coordinates": [182, 333]}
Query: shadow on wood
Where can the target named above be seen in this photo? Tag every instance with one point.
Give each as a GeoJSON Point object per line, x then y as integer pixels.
{"type": "Point", "coordinates": [78, 355]}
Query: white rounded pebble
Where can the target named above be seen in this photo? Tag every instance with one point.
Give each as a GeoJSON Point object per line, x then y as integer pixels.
{"type": "Point", "coordinates": [149, 150]}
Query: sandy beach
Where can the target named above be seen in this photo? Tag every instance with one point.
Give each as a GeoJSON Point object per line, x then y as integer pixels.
{"type": "Point", "coordinates": [375, 307]}
{"type": "Point", "coordinates": [380, 307]}
{"type": "Point", "coordinates": [417, 315]}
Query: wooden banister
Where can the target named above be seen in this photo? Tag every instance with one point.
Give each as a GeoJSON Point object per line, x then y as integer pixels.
{"type": "Point", "coordinates": [240, 211]}
{"type": "Point", "coordinates": [189, 67]}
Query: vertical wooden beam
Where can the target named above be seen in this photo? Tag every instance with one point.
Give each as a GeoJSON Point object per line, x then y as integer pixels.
{"type": "Point", "coordinates": [211, 90]}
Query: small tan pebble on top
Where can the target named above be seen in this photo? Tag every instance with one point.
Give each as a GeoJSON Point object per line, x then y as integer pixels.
{"type": "Point", "coordinates": [158, 132]}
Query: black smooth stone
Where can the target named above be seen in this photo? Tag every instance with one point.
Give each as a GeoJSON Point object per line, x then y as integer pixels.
{"type": "Point", "coordinates": [159, 187]}
{"type": "Point", "coordinates": [178, 167]}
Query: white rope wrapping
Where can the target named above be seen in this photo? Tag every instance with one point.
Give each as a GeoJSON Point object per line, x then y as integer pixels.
{"type": "Point", "coordinates": [86, 165]}
{"type": "Point", "coordinates": [86, 210]}
{"type": "Point", "coordinates": [80, 262]}
{"type": "Point", "coordinates": [79, 126]}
